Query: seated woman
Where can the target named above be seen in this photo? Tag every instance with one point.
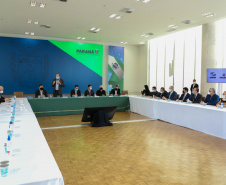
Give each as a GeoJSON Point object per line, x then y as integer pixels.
{"type": "Point", "coordinates": [146, 91]}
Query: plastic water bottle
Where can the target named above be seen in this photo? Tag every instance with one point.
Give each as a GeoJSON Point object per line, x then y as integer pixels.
{"type": "Point", "coordinates": [9, 145]}
{"type": "Point", "coordinates": [222, 105]}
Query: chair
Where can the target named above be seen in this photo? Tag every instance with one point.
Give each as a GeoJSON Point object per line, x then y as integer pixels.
{"type": "Point", "coordinates": [178, 96]}
{"type": "Point", "coordinates": [124, 92]}
{"type": "Point", "coordinates": [203, 98]}
{"type": "Point", "coordinates": [19, 94]}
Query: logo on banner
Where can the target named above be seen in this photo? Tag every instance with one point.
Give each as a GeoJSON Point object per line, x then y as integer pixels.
{"type": "Point", "coordinates": [115, 66]}
{"type": "Point", "coordinates": [213, 75]}
{"type": "Point", "coordinates": [223, 75]}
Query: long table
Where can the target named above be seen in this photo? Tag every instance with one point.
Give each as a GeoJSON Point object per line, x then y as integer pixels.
{"type": "Point", "coordinates": [31, 161]}
{"type": "Point", "coordinates": [67, 106]}
{"type": "Point", "coordinates": [207, 119]}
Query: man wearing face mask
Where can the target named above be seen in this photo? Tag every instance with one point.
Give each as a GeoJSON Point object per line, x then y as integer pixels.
{"type": "Point", "coordinates": [154, 91]}
{"type": "Point", "coordinates": [41, 92]}
{"type": "Point", "coordinates": [89, 91]}
{"type": "Point", "coordinates": [3, 99]}
{"type": "Point", "coordinates": [101, 92]}
{"type": "Point", "coordinates": [196, 97]}
{"type": "Point", "coordinates": [185, 95]}
{"type": "Point", "coordinates": [116, 91]}
{"type": "Point", "coordinates": [194, 85]}
{"type": "Point", "coordinates": [58, 83]}
{"type": "Point", "coordinates": [75, 92]}
{"type": "Point", "coordinates": [172, 95]}
{"type": "Point", "coordinates": [162, 93]}
{"type": "Point", "coordinates": [211, 98]}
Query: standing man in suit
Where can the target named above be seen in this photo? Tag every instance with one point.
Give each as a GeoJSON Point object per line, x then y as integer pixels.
{"type": "Point", "coordinates": [162, 93]}
{"type": "Point", "coordinates": [3, 99]}
{"type": "Point", "coordinates": [172, 94]}
{"type": "Point", "coordinates": [194, 85]}
{"type": "Point", "coordinates": [89, 91]}
{"type": "Point", "coordinates": [41, 92]}
{"type": "Point", "coordinates": [116, 91]}
{"type": "Point", "coordinates": [211, 98]}
{"type": "Point", "coordinates": [75, 92]}
{"type": "Point", "coordinates": [185, 96]}
{"type": "Point", "coordinates": [58, 83]}
{"type": "Point", "coordinates": [101, 92]}
{"type": "Point", "coordinates": [196, 97]}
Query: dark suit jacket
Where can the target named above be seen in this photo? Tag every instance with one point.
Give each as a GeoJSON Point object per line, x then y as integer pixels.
{"type": "Point", "coordinates": [86, 93]}
{"type": "Point", "coordinates": [186, 97]}
{"type": "Point", "coordinates": [165, 94]}
{"type": "Point", "coordinates": [2, 99]}
{"type": "Point", "coordinates": [146, 93]}
{"type": "Point", "coordinates": [196, 99]}
{"type": "Point", "coordinates": [37, 93]}
{"type": "Point", "coordinates": [113, 92]}
{"type": "Point", "coordinates": [60, 85]}
{"type": "Point", "coordinates": [101, 93]}
{"type": "Point", "coordinates": [196, 86]}
{"type": "Point", "coordinates": [173, 96]}
{"type": "Point", "coordinates": [212, 100]}
{"type": "Point", "coordinates": [154, 93]}
{"type": "Point", "coordinates": [73, 92]}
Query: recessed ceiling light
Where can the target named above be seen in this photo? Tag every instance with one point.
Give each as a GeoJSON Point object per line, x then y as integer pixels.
{"type": "Point", "coordinates": [112, 16]}
{"type": "Point", "coordinates": [208, 14]}
{"type": "Point", "coordinates": [118, 17]}
{"type": "Point", "coordinates": [144, 1]}
{"type": "Point", "coordinates": [32, 33]}
{"type": "Point", "coordinates": [95, 30]}
{"type": "Point", "coordinates": [123, 42]}
{"type": "Point", "coordinates": [29, 21]}
{"type": "Point", "coordinates": [173, 26]}
{"type": "Point", "coordinates": [42, 5]}
{"type": "Point", "coordinates": [147, 35]}
{"type": "Point", "coordinates": [33, 3]}
{"type": "Point", "coordinates": [36, 22]}
{"type": "Point", "coordinates": [83, 38]}
{"type": "Point", "coordinates": [26, 33]}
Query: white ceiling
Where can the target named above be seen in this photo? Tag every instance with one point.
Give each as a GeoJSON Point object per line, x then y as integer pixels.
{"type": "Point", "coordinates": [75, 18]}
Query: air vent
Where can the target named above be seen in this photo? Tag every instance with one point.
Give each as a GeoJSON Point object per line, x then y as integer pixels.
{"type": "Point", "coordinates": [45, 26]}
{"type": "Point", "coordinates": [127, 10]}
{"type": "Point", "coordinates": [187, 22]}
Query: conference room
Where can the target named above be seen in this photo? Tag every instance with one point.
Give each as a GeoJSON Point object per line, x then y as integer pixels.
{"type": "Point", "coordinates": [123, 92]}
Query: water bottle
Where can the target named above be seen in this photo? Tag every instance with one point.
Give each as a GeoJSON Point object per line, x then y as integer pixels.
{"type": "Point", "coordinates": [8, 145]}
{"type": "Point", "coordinates": [222, 105]}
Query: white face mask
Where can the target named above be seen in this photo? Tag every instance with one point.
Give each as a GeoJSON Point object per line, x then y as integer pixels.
{"type": "Point", "coordinates": [208, 92]}
{"type": "Point", "coordinates": [194, 83]}
{"type": "Point", "coordinates": [90, 88]}
{"type": "Point", "coordinates": [169, 90]}
{"type": "Point", "coordinates": [1, 92]}
{"type": "Point", "coordinates": [224, 96]}
{"type": "Point", "coordinates": [161, 92]}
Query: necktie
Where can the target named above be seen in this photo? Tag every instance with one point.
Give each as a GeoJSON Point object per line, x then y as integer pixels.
{"type": "Point", "coordinates": [115, 92]}
{"type": "Point", "coordinates": [89, 92]}
{"type": "Point", "coordinates": [184, 97]}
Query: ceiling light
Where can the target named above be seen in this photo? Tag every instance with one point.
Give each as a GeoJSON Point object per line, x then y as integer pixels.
{"type": "Point", "coordinates": [79, 38]}
{"type": "Point", "coordinates": [35, 22]}
{"type": "Point", "coordinates": [112, 16]}
{"type": "Point", "coordinates": [33, 3]}
{"type": "Point", "coordinates": [145, 1]}
{"type": "Point", "coordinates": [29, 21]}
{"type": "Point", "coordinates": [118, 17]}
{"type": "Point", "coordinates": [208, 14]}
{"type": "Point", "coordinates": [173, 26]}
{"type": "Point", "coordinates": [83, 38]}
{"type": "Point", "coordinates": [95, 30]}
{"type": "Point", "coordinates": [123, 42]}
{"type": "Point", "coordinates": [32, 33]}
{"type": "Point", "coordinates": [42, 5]}
{"type": "Point", "coordinates": [147, 35]}
{"type": "Point", "coordinates": [26, 33]}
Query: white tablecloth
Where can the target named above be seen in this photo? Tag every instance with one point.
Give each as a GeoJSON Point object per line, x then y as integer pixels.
{"type": "Point", "coordinates": [31, 161]}
{"type": "Point", "coordinates": [209, 119]}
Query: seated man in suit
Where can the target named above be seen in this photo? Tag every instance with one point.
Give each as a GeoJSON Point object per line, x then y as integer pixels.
{"type": "Point", "coordinates": [172, 95]}
{"type": "Point", "coordinates": [211, 98]}
{"type": "Point", "coordinates": [196, 97]}
{"type": "Point", "coordinates": [154, 91]}
{"type": "Point", "coordinates": [89, 91]}
{"type": "Point", "coordinates": [185, 96]}
{"type": "Point", "coordinates": [116, 91]}
{"type": "Point", "coordinates": [101, 92]}
{"type": "Point", "coordinates": [75, 92]}
{"type": "Point", "coordinates": [41, 92]}
{"type": "Point", "coordinates": [162, 93]}
{"type": "Point", "coordinates": [3, 99]}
